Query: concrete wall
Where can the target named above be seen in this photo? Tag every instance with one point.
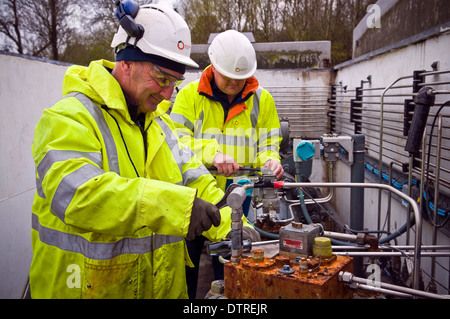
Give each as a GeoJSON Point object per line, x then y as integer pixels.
{"type": "Point", "coordinates": [27, 86]}
{"type": "Point", "coordinates": [279, 55]}
{"type": "Point", "coordinates": [384, 69]}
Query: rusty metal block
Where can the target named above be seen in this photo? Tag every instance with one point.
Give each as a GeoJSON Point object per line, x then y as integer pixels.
{"type": "Point", "coordinates": [285, 278]}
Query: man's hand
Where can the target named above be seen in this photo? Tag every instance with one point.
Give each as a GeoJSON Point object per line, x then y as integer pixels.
{"type": "Point", "coordinates": [276, 168]}
{"type": "Point", "coordinates": [248, 233]}
{"type": "Point", "coordinates": [203, 216]}
{"type": "Point", "coordinates": [225, 164]}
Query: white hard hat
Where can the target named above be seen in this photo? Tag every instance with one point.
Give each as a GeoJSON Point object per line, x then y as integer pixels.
{"type": "Point", "coordinates": [166, 34]}
{"type": "Point", "coordinates": [233, 55]}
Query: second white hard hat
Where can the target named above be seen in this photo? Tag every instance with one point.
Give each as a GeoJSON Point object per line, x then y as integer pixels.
{"type": "Point", "coordinates": [166, 34]}
{"type": "Point", "coordinates": [233, 55]}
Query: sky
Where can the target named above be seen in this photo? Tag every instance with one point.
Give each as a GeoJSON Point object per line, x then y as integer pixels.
{"type": "Point", "coordinates": [166, 2]}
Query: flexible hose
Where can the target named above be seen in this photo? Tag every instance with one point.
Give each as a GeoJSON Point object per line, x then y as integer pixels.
{"type": "Point", "coordinates": [264, 233]}
{"type": "Point", "coordinates": [398, 232]}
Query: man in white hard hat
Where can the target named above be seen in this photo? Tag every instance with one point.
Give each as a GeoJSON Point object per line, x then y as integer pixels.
{"type": "Point", "coordinates": [227, 118]}
{"type": "Point", "coordinates": [117, 193]}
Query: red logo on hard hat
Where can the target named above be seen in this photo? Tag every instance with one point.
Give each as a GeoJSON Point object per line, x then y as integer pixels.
{"type": "Point", "coordinates": [181, 45]}
{"type": "Point", "coordinates": [239, 70]}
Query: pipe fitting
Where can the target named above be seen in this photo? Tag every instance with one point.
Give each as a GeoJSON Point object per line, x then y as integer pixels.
{"type": "Point", "coordinates": [345, 276]}
{"type": "Point", "coordinates": [372, 241]}
{"type": "Point", "coordinates": [237, 198]}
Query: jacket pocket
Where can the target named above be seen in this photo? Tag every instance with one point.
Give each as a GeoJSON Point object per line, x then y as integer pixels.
{"type": "Point", "coordinates": [115, 278]}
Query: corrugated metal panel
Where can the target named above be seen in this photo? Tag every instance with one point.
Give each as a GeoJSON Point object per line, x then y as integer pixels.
{"type": "Point", "coordinates": [385, 107]}
{"type": "Point", "coordinates": [306, 109]}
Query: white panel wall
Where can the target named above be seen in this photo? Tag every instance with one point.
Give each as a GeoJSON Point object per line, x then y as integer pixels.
{"type": "Point", "coordinates": [26, 88]}
{"type": "Point", "coordinates": [384, 70]}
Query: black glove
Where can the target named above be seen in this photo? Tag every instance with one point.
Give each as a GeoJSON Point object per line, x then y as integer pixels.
{"type": "Point", "coordinates": [203, 216]}
{"type": "Point", "coordinates": [248, 233]}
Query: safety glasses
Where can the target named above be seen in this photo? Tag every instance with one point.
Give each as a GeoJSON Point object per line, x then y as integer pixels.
{"type": "Point", "coordinates": [163, 78]}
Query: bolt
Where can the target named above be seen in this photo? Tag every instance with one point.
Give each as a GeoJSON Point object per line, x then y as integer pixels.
{"type": "Point", "coordinates": [286, 269]}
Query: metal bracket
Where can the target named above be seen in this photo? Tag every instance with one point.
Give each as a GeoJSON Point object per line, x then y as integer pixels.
{"type": "Point", "coordinates": [331, 147]}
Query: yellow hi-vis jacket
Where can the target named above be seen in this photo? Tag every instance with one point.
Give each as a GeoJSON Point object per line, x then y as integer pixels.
{"type": "Point", "coordinates": [250, 133]}
{"type": "Point", "coordinates": [109, 216]}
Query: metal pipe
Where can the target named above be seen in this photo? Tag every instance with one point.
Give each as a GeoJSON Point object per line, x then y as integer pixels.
{"type": "Point", "coordinates": [393, 247]}
{"type": "Point", "coordinates": [436, 191]}
{"type": "Point", "coordinates": [433, 73]}
{"type": "Point", "coordinates": [235, 201]}
{"type": "Point", "coordinates": [267, 242]}
{"type": "Point", "coordinates": [440, 92]}
{"type": "Point", "coordinates": [357, 176]}
{"type": "Point", "coordinates": [412, 202]}
{"type": "Point", "coordinates": [341, 236]}
{"type": "Point", "coordinates": [350, 278]}
{"type": "Point", "coordinates": [380, 149]}
{"type": "Point", "coordinates": [388, 212]}
{"type": "Point", "coordinates": [379, 254]}
{"type": "Point", "coordinates": [381, 290]}
{"type": "Point", "coordinates": [410, 170]}
{"type": "Point", "coordinates": [422, 171]}
{"type": "Point", "coordinates": [321, 200]}
{"type": "Point", "coordinates": [287, 220]}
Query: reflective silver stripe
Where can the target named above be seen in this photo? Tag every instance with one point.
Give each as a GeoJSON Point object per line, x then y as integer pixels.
{"type": "Point", "coordinates": [182, 155]}
{"type": "Point", "coordinates": [231, 140]}
{"type": "Point", "coordinates": [54, 156]}
{"type": "Point", "coordinates": [198, 125]}
{"type": "Point", "coordinates": [255, 110]}
{"type": "Point", "coordinates": [172, 142]}
{"type": "Point", "coordinates": [192, 174]}
{"type": "Point", "coordinates": [268, 148]}
{"type": "Point", "coordinates": [273, 133]}
{"type": "Point", "coordinates": [97, 114]}
{"type": "Point", "coordinates": [69, 185]}
{"type": "Point", "coordinates": [181, 119]}
{"type": "Point", "coordinates": [100, 251]}
{"type": "Point", "coordinates": [39, 190]}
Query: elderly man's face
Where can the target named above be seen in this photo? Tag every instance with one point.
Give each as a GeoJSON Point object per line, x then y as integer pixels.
{"type": "Point", "coordinates": [148, 87]}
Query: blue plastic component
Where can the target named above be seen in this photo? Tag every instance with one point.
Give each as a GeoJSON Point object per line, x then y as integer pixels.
{"type": "Point", "coordinates": [246, 181]}
{"type": "Point", "coordinates": [305, 150]}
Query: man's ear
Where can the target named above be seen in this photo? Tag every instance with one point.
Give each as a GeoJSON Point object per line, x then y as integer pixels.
{"type": "Point", "coordinates": [126, 66]}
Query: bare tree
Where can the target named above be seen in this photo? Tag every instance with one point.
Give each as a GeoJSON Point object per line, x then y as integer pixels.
{"type": "Point", "coordinates": [39, 27]}
{"type": "Point", "coordinates": [10, 23]}
{"type": "Point", "coordinates": [51, 28]}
